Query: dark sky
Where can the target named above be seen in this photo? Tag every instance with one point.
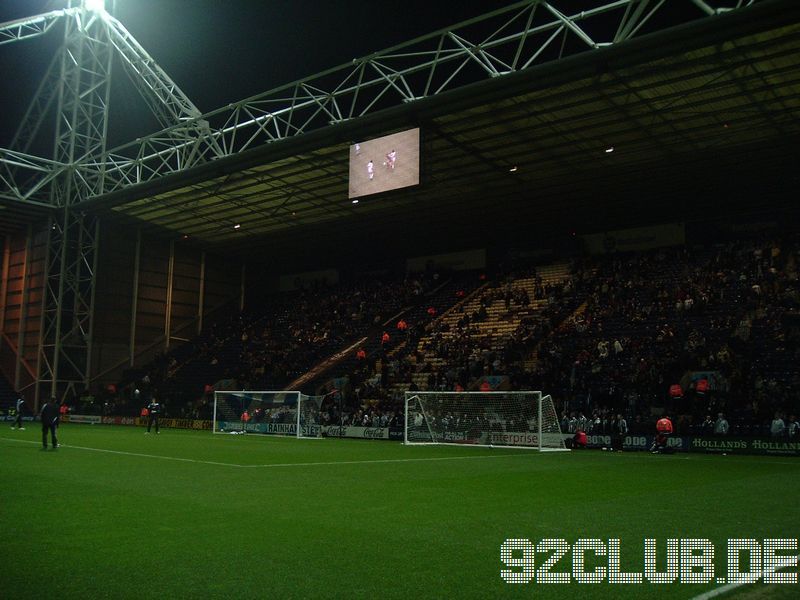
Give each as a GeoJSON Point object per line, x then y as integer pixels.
{"type": "Point", "coordinates": [221, 51]}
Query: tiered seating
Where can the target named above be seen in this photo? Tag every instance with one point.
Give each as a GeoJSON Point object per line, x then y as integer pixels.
{"type": "Point", "coordinates": [374, 388]}
{"type": "Point", "coordinates": [600, 337]}
{"type": "Point", "coordinates": [484, 321]}
{"type": "Point", "coordinates": [766, 336]}
{"type": "Point", "coordinates": [288, 336]}
{"type": "Point", "coordinates": [441, 298]}
{"type": "Point", "coordinates": [672, 312]}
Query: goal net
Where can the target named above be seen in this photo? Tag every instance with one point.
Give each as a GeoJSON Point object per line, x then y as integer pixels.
{"type": "Point", "coordinates": [273, 413]}
{"type": "Point", "coordinates": [499, 419]}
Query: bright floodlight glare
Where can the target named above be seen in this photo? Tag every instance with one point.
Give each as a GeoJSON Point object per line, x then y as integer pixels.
{"type": "Point", "coordinates": [95, 5]}
{"type": "Point", "coordinates": [609, 150]}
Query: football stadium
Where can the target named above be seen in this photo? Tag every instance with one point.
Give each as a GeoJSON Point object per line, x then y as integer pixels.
{"type": "Point", "coordinates": [326, 300]}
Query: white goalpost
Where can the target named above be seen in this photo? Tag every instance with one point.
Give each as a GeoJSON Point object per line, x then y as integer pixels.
{"type": "Point", "coordinates": [497, 419]}
{"type": "Point", "coordinates": [286, 413]}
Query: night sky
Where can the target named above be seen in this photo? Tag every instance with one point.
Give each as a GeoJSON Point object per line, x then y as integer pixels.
{"type": "Point", "coordinates": [221, 51]}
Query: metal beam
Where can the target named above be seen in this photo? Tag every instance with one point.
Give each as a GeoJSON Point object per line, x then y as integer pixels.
{"type": "Point", "coordinates": [167, 101]}
{"type": "Point", "coordinates": [425, 67]}
{"type": "Point", "coordinates": [30, 27]}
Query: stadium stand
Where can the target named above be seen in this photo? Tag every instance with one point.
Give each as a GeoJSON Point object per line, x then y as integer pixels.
{"type": "Point", "coordinates": [8, 396]}
{"type": "Point", "coordinates": [606, 335]}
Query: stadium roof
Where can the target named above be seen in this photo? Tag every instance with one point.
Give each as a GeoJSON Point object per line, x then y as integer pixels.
{"type": "Point", "coordinates": [694, 120]}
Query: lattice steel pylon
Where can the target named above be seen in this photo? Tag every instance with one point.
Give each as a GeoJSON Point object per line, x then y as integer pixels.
{"type": "Point", "coordinates": [75, 91]}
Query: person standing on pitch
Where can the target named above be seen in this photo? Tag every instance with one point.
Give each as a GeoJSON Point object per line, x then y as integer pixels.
{"type": "Point", "coordinates": [154, 408]}
{"type": "Point", "coordinates": [50, 422]}
{"type": "Point", "coordinates": [663, 432]}
{"type": "Point", "coordinates": [620, 430]}
{"type": "Point", "coordinates": [19, 408]}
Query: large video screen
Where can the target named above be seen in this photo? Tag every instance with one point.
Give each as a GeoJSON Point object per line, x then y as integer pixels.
{"type": "Point", "coordinates": [385, 163]}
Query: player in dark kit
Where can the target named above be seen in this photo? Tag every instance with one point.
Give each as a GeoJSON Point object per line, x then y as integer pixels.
{"type": "Point", "coordinates": [20, 406]}
{"type": "Point", "coordinates": [154, 408]}
{"type": "Point", "coordinates": [50, 422]}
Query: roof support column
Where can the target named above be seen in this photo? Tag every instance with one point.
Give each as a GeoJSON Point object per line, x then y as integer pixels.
{"type": "Point", "coordinates": [201, 292]}
{"type": "Point", "coordinates": [4, 284]}
{"type": "Point", "coordinates": [135, 294]}
{"type": "Point", "coordinates": [168, 311]}
{"type": "Point", "coordinates": [23, 306]}
{"type": "Point", "coordinates": [241, 291]}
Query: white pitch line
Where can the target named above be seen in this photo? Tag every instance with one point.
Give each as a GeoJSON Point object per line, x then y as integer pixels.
{"type": "Point", "coordinates": [271, 465]}
{"type": "Point", "coordinates": [191, 460]}
{"type": "Point", "coordinates": [729, 587]}
{"type": "Point", "coordinates": [631, 454]}
{"type": "Point", "coordinates": [380, 460]}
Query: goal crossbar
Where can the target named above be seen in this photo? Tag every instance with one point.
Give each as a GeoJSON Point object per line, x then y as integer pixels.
{"type": "Point", "coordinates": [525, 419]}
{"type": "Point", "coordinates": [280, 412]}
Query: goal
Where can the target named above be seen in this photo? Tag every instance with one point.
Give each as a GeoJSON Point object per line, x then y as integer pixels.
{"type": "Point", "coordinates": [286, 413]}
{"type": "Point", "coordinates": [498, 419]}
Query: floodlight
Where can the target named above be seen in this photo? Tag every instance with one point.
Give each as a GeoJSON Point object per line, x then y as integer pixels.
{"type": "Point", "coordinates": [95, 5]}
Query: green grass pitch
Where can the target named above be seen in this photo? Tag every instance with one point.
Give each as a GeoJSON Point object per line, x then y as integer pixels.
{"type": "Point", "coordinates": [187, 514]}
